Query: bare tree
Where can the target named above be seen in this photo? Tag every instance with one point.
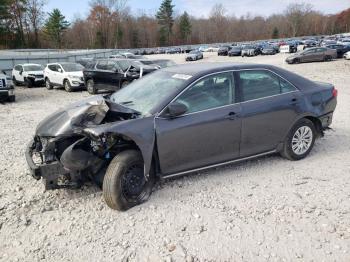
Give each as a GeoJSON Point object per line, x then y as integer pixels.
{"type": "Point", "coordinates": [36, 17]}
{"type": "Point", "coordinates": [295, 14]}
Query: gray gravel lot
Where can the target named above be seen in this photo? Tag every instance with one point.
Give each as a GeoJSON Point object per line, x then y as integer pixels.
{"type": "Point", "coordinates": [268, 209]}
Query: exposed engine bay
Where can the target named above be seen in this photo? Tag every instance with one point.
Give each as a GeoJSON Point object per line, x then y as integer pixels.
{"type": "Point", "coordinates": [76, 144]}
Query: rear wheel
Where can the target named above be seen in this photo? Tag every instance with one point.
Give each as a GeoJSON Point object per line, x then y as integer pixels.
{"type": "Point", "coordinates": [67, 86]}
{"type": "Point", "coordinates": [124, 185]}
{"type": "Point", "coordinates": [90, 86]}
{"type": "Point", "coordinates": [327, 58]}
{"type": "Point", "coordinates": [300, 140]}
{"type": "Point", "coordinates": [48, 84]}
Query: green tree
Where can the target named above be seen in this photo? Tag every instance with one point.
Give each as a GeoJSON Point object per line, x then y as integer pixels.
{"type": "Point", "coordinates": [55, 26]}
{"type": "Point", "coordinates": [275, 33]}
{"type": "Point", "coordinates": [185, 26]}
{"type": "Point", "coordinates": [165, 20]}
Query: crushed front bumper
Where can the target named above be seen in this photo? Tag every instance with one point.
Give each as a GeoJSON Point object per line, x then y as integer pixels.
{"type": "Point", "coordinates": [50, 173]}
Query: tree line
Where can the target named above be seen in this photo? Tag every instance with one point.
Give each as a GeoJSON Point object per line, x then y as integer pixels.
{"type": "Point", "coordinates": [111, 24]}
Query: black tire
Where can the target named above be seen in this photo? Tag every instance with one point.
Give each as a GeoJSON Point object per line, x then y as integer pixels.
{"type": "Point", "coordinates": [12, 99]}
{"type": "Point", "coordinates": [67, 86]}
{"type": "Point", "coordinates": [90, 87]}
{"type": "Point", "coordinates": [124, 84]}
{"type": "Point", "coordinates": [28, 83]}
{"type": "Point", "coordinates": [327, 58]}
{"type": "Point", "coordinates": [296, 61]}
{"type": "Point", "coordinates": [118, 191]}
{"type": "Point", "coordinates": [48, 84]}
{"type": "Point", "coordinates": [15, 82]}
{"type": "Point", "coordinates": [288, 151]}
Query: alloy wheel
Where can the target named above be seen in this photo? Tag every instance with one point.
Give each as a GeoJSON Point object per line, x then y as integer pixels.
{"type": "Point", "coordinates": [302, 140]}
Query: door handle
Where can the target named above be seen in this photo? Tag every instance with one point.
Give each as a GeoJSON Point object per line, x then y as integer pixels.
{"type": "Point", "coordinates": [231, 116]}
{"type": "Point", "coordinates": [294, 101]}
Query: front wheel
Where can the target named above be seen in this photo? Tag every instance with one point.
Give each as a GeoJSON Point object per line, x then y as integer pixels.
{"type": "Point", "coordinates": [300, 140]}
{"type": "Point", "coordinates": [124, 185]}
{"type": "Point", "coordinates": [90, 86]}
{"type": "Point", "coordinates": [14, 80]}
{"type": "Point", "coordinates": [48, 84]}
{"type": "Point", "coordinates": [67, 86]}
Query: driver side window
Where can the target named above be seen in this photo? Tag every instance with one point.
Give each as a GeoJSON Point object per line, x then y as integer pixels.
{"type": "Point", "coordinates": [210, 92]}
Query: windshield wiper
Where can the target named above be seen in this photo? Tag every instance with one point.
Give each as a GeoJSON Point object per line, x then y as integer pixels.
{"type": "Point", "coordinates": [126, 103]}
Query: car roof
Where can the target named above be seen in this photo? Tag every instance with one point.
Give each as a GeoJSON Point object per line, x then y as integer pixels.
{"type": "Point", "coordinates": [201, 69]}
{"type": "Point", "coordinates": [205, 68]}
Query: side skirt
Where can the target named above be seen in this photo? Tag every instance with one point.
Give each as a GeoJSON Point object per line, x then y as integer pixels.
{"type": "Point", "coordinates": [218, 165]}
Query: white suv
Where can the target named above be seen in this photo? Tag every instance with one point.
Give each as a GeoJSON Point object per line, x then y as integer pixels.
{"type": "Point", "coordinates": [67, 75]}
{"type": "Point", "coordinates": [28, 74]}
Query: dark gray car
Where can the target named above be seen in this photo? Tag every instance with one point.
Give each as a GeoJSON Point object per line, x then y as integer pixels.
{"type": "Point", "coordinates": [315, 54]}
{"type": "Point", "coordinates": [179, 120]}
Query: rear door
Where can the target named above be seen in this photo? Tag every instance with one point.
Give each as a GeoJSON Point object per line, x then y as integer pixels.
{"type": "Point", "coordinates": [270, 105]}
{"type": "Point", "coordinates": [309, 56]}
{"type": "Point", "coordinates": [209, 133]}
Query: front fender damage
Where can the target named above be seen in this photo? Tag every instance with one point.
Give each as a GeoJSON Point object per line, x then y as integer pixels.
{"type": "Point", "coordinates": [140, 131]}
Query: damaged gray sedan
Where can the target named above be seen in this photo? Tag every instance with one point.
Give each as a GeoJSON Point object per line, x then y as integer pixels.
{"type": "Point", "coordinates": [179, 120]}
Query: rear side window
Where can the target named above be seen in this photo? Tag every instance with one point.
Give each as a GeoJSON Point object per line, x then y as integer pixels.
{"type": "Point", "coordinates": [257, 84]}
{"type": "Point", "coordinates": [111, 66]}
{"type": "Point", "coordinates": [124, 65]}
{"type": "Point", "coordinates": [102, 65]}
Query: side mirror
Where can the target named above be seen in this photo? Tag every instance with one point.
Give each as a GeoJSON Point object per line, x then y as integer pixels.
{"type": "Point", "coordinates": [60, 70]}
{"type": "Point", "coordinates": [176, 109]}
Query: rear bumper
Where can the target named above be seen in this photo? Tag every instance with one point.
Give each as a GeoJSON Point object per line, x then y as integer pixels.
{"type": "Point", "coordinates": [326, 120]}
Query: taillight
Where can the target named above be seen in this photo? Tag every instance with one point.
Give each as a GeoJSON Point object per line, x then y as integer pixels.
{"type": "Point", "coordinates": [335, 92]}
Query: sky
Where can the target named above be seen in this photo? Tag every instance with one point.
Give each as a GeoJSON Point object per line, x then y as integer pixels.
{"type": "Point", "coordinates": [199, 8]}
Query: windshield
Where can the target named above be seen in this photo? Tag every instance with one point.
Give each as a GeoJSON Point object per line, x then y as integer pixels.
{"type": "Point", "coordinates": [193, 52]}
{"type": "Point", "coordinates": [27, 68]}
{"type": "Point", "coordinates": [72, 67]}
{"type": "Point", "coordinates": [145, 94]}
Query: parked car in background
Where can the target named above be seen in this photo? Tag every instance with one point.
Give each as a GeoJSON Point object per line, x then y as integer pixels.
{"type": "Point", "coordinates": [223, 50]}
{"type": "Point", "coordinates": [174, 50]}
{"type": "Point", "coordinates": [163, 62]}
{"type": "Point", "coordinates": [67, 75]}
{"type": "Point", "coordinates": [341, 49]}
{"type": "Point", "coordinates": [235, 51]}
{"type": "Point", "coordinates": [28, 74]}
{"type": "Point", "coordinates": [314, 54]}
{"type": "Point", "coordinates": [114, 74]}
{"type": "Point", "coordinates": [194, 55]}
{"type": "Point", "coordinates": [347, 55]}
{"type": "Point", "coordinates": [268, 50]}
{"type": "Point", "coordinates": [250, 50]}
{"type": "Point", "coordinates": [176, 121]}
{"type": "Point", "coordinates": [127, 55]}
{"type": "Point", "coordinates": [85, 60]}
{"type": "Point", "coordinates": [212, 49]}
{"type": "Point", "coordinates": [7, 91]}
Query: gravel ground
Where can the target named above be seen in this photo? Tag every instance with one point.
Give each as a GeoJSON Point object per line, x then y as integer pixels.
{"type": "Point", "coordinates": [268, 209]}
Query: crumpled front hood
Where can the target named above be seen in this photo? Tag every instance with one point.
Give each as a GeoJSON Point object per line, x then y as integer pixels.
{"type": "Point", "coordinates": [74, 117]}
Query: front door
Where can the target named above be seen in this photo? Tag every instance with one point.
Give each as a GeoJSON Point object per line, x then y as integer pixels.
{"type": "Point", "coordinates": [209, 133]}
